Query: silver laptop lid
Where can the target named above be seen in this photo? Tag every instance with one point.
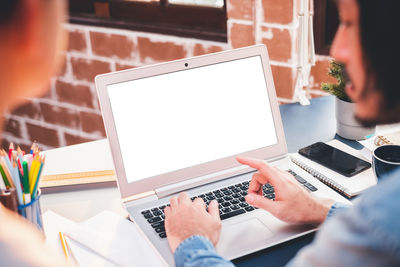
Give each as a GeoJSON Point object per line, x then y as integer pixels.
{"type": "Point", "coordinates": [175, 121]}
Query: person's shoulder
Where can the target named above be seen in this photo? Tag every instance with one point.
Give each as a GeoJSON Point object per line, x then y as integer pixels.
{"type": "Point", "coordinates": [387, 190]}
{"type": "Point", "coordinates": [380, 206]}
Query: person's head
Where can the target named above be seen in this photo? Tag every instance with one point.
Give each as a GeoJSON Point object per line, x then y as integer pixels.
{"type": "Point", "coordinates": [366, 43]}
{"type": "Point", "coordinates": [31, 37]}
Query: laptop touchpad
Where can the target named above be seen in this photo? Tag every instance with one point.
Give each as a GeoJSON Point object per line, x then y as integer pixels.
{"type": "Point", "coordinates": [242, 236]}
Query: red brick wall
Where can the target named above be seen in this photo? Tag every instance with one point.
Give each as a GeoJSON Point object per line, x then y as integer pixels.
{"type": "Point", "coordinates": [70, 113]}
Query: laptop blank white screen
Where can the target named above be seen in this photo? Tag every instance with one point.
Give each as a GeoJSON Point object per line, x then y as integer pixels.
{"type": "Point", "coordinates": [177, 120]}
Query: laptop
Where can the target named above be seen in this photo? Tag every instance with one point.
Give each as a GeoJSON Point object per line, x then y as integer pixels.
{"type": "Point", "coordinates": [178, 126]}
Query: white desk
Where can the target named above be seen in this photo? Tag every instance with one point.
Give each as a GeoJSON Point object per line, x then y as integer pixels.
{"type": "Point", "coordinates": [83, 204]}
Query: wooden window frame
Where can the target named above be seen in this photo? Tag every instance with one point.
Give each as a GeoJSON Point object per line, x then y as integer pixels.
{"type": "Point", "coordinates": [199, 22]}
{"type": "Point", "coordinates": [325, 25]}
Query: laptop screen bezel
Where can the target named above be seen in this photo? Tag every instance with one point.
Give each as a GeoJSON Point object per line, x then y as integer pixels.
{"type": "Point", "coordinates": [158, 181]}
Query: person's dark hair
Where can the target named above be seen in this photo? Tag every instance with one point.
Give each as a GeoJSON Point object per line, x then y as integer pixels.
{"type": "Point", "coordinates": [7, 10]}
{"type": "Point", "coordinates": [379, 30]}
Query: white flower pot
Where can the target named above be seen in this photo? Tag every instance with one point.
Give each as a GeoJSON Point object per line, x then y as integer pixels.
{"type": "Point", "coordinates": [346, 125]}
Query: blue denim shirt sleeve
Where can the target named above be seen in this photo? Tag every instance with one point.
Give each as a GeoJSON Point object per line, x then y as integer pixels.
{"type": "Point", "coordinates": [198, 251]}
{"type": "Point", "coordinates": [337, 207]}
{"type": "Point", "coordinates": [367, 234]}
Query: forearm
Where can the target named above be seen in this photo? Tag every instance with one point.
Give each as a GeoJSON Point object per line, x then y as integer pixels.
{"type": "Point", "coordinates": [198, 251]}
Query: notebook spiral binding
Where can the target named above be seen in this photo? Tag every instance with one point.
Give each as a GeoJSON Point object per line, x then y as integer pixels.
{"type": "Point", "coordinates": [326, 180]}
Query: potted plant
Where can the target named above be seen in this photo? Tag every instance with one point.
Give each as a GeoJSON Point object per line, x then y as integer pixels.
{"type": "Point", "coordinates": [346, 125]}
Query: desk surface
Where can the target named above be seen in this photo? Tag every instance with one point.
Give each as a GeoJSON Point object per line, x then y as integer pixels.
{"type": "Point", "coordinates": [303, 125]}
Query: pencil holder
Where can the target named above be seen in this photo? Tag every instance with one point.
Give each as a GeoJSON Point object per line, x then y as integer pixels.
{"type": "Point", "coordinates": [32, 211]}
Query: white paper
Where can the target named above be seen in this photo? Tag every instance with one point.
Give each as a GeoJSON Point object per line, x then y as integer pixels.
{"type": "Point", "coordinates": [116, 238]}
{"type": "Point", "coordinates": [86, 157]}
{"type": "Point", "coordinates": [53, 224]}
{"type": "Point", "coordinates": [108, 234]}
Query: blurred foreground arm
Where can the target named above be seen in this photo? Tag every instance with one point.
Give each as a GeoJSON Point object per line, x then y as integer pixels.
{"type": "Point", "coordinates": [367, 234]}
{"type": "Point", "coordinates": [21, 244]}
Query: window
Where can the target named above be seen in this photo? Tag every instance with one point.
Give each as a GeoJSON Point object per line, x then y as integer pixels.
{"type": "Point", "coordinates": [204, 19]}
{"type": "Point", "coordinates": [326, 22]}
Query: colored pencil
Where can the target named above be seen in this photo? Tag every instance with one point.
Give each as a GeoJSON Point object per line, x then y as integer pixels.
{"type": "Point", "coordinates": [2, 183]}
{"type": "Point", "coordinates": [20, 156]}
{"type": "Point", "coordinates": [10, 150]}
{"type": "Point", "coordinates": [27, 195]}
{"type": "Point", "coordinates": [21, 172]}
{"type": "Point", "coordinates": [35, 188]}
{"type": "Point", "coordinates": [3, 175]}
{"type": "Point", "coordinates": [33, 170]}
{"type": "Point", "coordinates": [7, 172]}
{"type": "Point", "coordinates": [17, 182]}
{"type": "Point", "coordinates": [64, 245]}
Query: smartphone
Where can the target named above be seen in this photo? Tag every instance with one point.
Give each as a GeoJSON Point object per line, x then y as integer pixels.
{"type": "Point", "coordinates": [334, 159]}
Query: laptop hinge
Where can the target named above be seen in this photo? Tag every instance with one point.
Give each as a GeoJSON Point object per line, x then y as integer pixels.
{"type": "Point", "coordinates": [139, 197]}
{"type": "Point", "coordinates": [171, 189]}
{"type": "Point", "coordinates": [276, 158]}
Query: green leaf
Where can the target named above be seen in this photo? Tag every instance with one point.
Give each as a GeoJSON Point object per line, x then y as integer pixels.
{"type": "Point", "coordinates": [337, 71]}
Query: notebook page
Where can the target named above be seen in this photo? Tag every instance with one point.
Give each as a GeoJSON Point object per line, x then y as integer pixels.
{"type": "Point", "coordinates": [115, 238]}
{"type": "Point", "coordinates": [52, 225]}
{"type": "Point", "coordinates": [355, 184]}
{"type": "Point", "coordinates": [87, 157]}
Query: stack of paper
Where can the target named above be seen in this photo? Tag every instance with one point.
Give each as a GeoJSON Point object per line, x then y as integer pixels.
{"type": "Point", "coordinates": [87, 163]}
{"type": "Point", "coordinates": [53, 224]}
{"type": "Point", "coordinates": [117, 239]}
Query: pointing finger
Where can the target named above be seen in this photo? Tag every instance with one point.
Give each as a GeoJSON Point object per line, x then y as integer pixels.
{"type": "Point", "coordinates": [251, 162]}
{"type": "Point", "coordinates": [256, 183]}
{"type": "Point", "coordinates": [270, 175]}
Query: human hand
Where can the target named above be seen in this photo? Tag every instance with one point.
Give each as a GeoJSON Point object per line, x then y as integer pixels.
{"type": "Point", "coordinates": [292, 203]}
{"type": "Point", "coordinates": [184, 218]}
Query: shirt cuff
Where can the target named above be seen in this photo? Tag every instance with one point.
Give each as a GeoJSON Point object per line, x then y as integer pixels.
{"type": "Point", "coordinates": [336, 207]}
{"type": "Point", "coordinates": [191, 247]}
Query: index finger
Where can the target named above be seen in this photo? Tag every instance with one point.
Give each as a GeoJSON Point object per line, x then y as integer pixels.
{"type": "Point", "coordinates": [256, 183]}
{"type": "Point", "coordinates": [270, 175]}
{"type": "Point", "coordinates": [251, 162]}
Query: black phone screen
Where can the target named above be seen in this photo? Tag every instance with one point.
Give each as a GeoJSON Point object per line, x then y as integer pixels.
{"type": "Point", "coordinates": [334, 159]}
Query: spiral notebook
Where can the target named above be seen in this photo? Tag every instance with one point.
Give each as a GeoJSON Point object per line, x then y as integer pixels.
{"type": "Point", "coordinates": [348, 186]}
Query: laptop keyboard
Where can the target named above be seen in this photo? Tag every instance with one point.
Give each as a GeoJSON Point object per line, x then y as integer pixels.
{"type": "Point", "coordinates": [230, 199]}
